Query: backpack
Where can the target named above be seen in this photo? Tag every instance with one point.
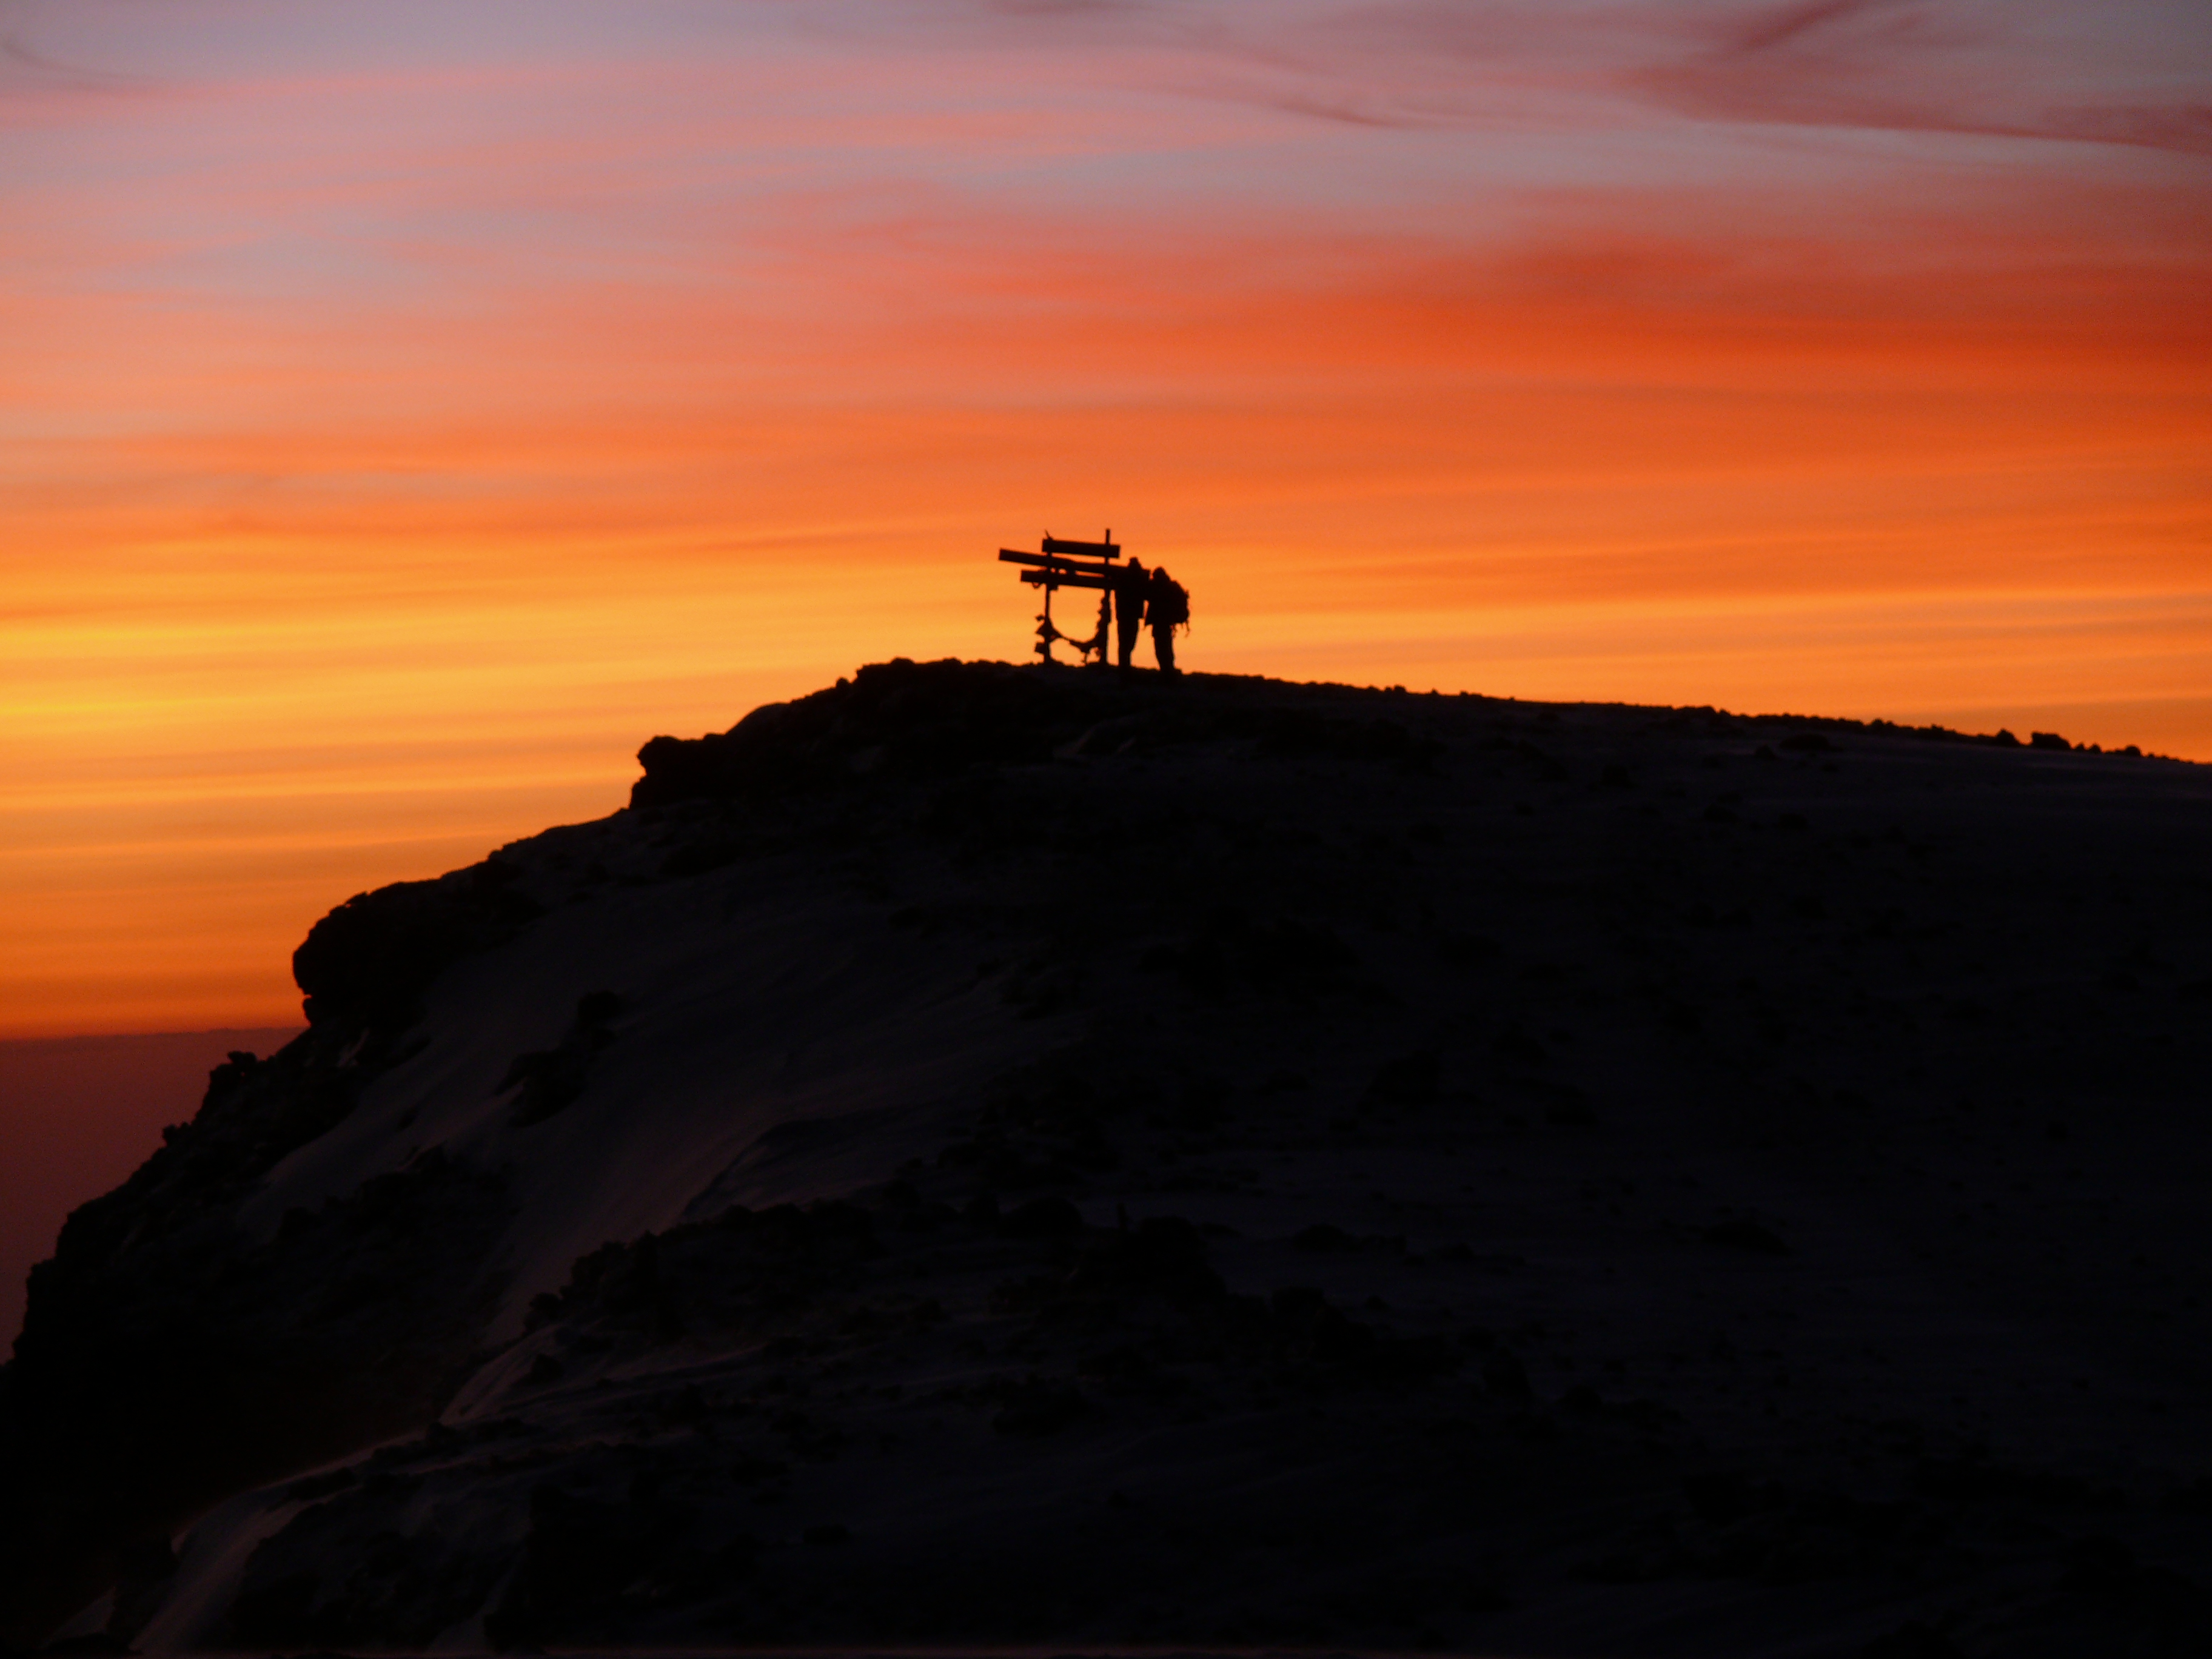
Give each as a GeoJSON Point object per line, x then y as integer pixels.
{"type": "Point", "coordinates": [1171, 607]}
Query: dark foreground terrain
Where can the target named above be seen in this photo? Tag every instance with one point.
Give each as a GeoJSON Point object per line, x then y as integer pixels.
{"type": "Point", "coordinates": [985, 1155]}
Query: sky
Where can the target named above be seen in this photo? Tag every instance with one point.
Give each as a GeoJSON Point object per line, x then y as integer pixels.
{"type": "Point", "coordinates": [407, 410]}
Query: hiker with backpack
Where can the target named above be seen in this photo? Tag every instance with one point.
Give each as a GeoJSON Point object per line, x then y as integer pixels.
{"type": "Point", "coordinates": [1167, 607]}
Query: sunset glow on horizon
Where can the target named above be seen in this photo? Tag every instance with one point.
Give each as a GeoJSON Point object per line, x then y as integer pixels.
{"type": "Point", "coordinates": [410, 410]}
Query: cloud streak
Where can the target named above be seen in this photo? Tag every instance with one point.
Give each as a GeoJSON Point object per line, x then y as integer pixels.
{"type": "Point", "coordinates": [1930, 67]}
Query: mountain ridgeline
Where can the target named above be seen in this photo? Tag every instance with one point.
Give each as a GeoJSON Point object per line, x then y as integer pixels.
{"type": "Point", "coordinates": [987, 1155]}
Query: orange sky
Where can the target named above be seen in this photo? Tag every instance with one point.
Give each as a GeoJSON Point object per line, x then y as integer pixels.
{"type": "Point", "coordinates": [410, 408]}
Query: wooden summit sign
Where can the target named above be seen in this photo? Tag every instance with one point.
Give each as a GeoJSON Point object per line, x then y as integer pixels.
{"type": "Point", "coordinates": [1060, 564]}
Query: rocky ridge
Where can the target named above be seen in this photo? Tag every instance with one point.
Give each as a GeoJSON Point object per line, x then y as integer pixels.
{"type": "Point", "coordinates": [984, 1154]}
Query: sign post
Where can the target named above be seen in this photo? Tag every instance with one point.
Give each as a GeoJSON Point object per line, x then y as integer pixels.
{"type": "Point", "coordinates": [1060, 564]}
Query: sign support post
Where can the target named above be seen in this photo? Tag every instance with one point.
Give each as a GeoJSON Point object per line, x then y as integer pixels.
{"type": "Point", "coordinates": [1060, 564]}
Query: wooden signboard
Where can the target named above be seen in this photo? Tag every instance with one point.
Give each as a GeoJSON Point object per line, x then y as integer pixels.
{"type": "Point", "coordinates": [1060, 563]}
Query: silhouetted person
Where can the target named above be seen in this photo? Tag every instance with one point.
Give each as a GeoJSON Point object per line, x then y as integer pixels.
{"type": "Point", "coordinates": [1131, 583]}
{"type": "Point", "coordinates": [1167, 607]}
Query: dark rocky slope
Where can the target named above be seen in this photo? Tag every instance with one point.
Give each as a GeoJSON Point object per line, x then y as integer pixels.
{"type": "Point", "coordinates": [1209, 1162]}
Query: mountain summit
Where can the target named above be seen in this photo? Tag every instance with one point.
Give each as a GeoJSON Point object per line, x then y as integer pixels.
{"type": "Point", "coordinates": [987, 1155]}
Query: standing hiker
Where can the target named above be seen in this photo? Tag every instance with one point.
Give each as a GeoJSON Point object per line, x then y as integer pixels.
{"type": "Point", "coordinates": [1131, 581]}
{"type": "Point", "coordinates": [1167, 607]}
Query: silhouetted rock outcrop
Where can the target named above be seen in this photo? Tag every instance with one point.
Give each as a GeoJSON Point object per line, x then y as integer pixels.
{"type": "Point", "coordinates": [369, 960]}
{"type": "Point", "coordinates": [904, 719]}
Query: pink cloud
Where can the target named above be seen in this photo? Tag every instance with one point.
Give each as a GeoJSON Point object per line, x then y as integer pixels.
{"type": "Point", "coordinates": [1941, 66]}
